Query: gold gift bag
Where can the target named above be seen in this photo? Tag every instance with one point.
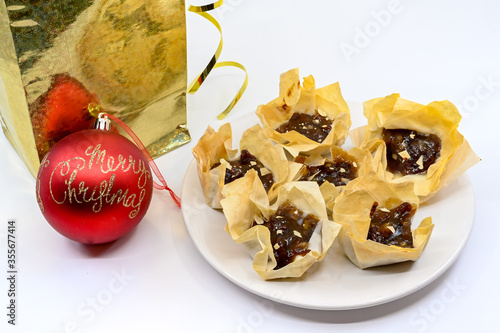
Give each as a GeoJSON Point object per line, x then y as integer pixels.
{"type": "Point", "coordinates": [62, 60]}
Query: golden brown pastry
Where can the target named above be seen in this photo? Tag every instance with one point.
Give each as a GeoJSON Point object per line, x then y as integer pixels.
{"type": "Point", "coordinates": [210, 149]}
{"type": "Point", "coordinates": [376, 222]}
{"type": "Point", "coordinates": [335, 171]}
{"type": "Point", "coordinates": [219, 165]}
{"type": "Point", "coordinates": [303, 118]}
{"type": "Point", "coordinates": [415, 143]}
{"type": "Point", "coordinates": [287, 238]}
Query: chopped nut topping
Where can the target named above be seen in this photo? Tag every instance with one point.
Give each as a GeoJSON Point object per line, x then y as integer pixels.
{"type": "Point", "coordinates": [393, 227]}
{"type": "Point", "coordinates": [292, 229]}
{"type": "Point", "coordinates": [385, 209]}
{"type": "Point", "coordinates": [238, 168]}
{"type": "Point", "coordinates": [411, 146]}
{"type": "Point", "coordinates": [264, 171]}
{"type": "Point", "coordinates": [420, 162]}
{"type": "Point", "coordinates": [404, 154]}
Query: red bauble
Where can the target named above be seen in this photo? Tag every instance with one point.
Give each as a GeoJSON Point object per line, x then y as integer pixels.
{"type": "Point", "coordinates": [94, 186]}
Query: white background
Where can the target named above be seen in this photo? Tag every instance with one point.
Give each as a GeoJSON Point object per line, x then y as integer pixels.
{"type": "Point", "coordinates": [425, 50]}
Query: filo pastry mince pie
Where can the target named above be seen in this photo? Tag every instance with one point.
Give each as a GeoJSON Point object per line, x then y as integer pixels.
{"type": "Point", "coordinates": [303, 118]}
{"type": "Point", "coordinates": [286, 238]}
{"type": "Point", "coordinates": [415, 142]}
{"type": "Point", "coordinates": [219, 165]}
{"type": "Point", "coordinates": [376, 221]}
{"type": "Point", "coordinates": [335, 171]}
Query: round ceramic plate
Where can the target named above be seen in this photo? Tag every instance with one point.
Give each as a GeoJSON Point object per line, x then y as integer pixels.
{"type": "Point", "coordinates": [334, 283]}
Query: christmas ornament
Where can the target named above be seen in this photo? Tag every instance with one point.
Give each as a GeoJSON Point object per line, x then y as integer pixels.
{"type": "Point", "coordinates": [95, 185]}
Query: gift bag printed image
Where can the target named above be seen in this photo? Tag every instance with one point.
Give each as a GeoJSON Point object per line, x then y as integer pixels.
{"type": "Point", "coordinates": [62, 62]}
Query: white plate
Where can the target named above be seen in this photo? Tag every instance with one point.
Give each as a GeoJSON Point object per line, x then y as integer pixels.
{"type": "Point", "coordinates": [334, 283]}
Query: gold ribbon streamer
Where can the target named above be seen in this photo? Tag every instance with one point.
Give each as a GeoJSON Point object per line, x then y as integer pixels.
{"type": "Point", "coordinates": [197, 82]}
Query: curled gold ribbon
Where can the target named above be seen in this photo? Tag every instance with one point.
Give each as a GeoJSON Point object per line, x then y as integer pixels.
{"type": "Point", "coordinates": [213, 63]}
